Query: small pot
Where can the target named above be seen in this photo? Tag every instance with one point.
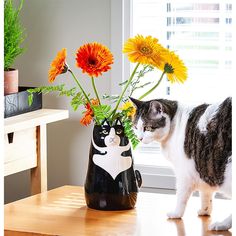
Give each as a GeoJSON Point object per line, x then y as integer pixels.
{"type": "Point", "coordinates": [111, 182]}
{"type": "Point", "coordinates": [11, 81]}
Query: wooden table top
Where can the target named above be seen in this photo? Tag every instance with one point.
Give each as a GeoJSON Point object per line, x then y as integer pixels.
{"type": "Point", "coordinates": [63, 211]}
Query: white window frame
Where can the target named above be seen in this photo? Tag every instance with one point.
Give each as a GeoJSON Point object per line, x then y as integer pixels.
{"type": "Point", "coordinates": [154, 177]}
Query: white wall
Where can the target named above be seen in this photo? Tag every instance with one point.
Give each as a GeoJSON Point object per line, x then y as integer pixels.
{"type": "Point", "coordinates": [50, 26]}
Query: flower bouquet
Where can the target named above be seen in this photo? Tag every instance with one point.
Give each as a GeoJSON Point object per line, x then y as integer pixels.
{"type": "Point", "coordinates": [111, 182]}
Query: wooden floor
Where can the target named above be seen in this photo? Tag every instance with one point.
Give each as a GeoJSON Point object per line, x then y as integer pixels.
{"type": "Point", "coordinates": [63, 211]}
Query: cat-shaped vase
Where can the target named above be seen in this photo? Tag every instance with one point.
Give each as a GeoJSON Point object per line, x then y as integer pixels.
{"type": "Point", "coordinates": [111, 182]}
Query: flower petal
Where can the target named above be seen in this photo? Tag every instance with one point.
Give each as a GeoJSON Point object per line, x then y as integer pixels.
{"type": "Point", "coordinates": [58, 65]}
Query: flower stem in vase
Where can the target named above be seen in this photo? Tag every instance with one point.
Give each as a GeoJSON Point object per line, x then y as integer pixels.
{"type": "Point", "coordinates": [95, 90]}
{"type": "Point", "coordinates": [124, 90]}
{"type": "Point", "coordinates": [81, 88]}
{"type": "Point", "coordinates": [154, 87]}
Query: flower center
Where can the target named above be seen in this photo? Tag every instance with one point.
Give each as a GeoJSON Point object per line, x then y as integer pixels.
{"type": "Point", "coordinates": [144, 49]}
{"type": "Point", "coordinates": [168, 68]}
{"type": "Point", "coordinates": [65, 68]}
{"type": "Point", "coordinates": [92, 61]}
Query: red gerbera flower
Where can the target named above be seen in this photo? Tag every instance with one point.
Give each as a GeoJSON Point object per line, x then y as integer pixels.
{"type": "Point", "coordinates": [94, 58]}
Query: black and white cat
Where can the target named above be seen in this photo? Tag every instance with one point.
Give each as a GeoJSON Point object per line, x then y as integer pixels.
{"type": "Point", "coordinates": [198, 142]}
{"type": "Point", "coordinates": [111, 182]}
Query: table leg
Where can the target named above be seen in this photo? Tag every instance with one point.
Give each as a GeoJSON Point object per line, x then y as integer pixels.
{"type": "Point", "coordinates": [39, 173]}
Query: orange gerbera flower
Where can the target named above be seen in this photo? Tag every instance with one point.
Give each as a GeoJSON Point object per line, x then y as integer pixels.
{"type": "Point", "coordinates": [88, 115]}
{"type": "Point", "coordinates": [94, 58]}
{"type": "Point", "coordinates": [58, 65]}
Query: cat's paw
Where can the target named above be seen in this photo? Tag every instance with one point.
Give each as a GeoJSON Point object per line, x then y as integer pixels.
{"type": "Point", "coordinates": [204, 212]}
{"type": "Point", "coordinates": [219, 226]}
{"type": "Point", "coordinates": [174, 215]}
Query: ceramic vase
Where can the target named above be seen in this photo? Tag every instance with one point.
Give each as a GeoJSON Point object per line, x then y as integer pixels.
{"type": "Point", "coordinates": [111, 181]}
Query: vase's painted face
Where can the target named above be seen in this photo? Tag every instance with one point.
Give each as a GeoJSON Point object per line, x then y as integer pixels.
{"type": "Point", "coordinates": [106, 135]}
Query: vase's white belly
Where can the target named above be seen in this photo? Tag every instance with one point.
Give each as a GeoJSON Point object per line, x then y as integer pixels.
{"type": "Point", "coordinates": [112, 162]}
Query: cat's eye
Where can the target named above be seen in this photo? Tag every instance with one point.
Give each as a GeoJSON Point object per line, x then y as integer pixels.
{"type": "Point", "coordinates": [105, 131]}
{"type": "Point", "coordinates": [119, 131]}
{"type": "Point", "coordinates": [148, 128]}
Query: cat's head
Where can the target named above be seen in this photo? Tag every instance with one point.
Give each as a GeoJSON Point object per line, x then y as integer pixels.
{"type": "Point", "coordinates": [106, 135]}
{"type": "Point", "coordinates": [152, 121]}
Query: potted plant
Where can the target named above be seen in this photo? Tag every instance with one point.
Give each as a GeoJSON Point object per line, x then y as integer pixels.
{"type": "Point", "coordinates": [13, 38]}
{"type": "Point", "coordinates": [111, 182]}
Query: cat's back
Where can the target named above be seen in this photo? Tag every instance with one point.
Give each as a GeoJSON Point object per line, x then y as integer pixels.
{"type": "Point", "coordinates": [210, 118]}
{"type": "Point", "coordinates": [208, 139]}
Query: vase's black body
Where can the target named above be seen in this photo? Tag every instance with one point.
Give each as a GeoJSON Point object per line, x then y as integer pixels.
{"type": "Point", "coordinates": [118, 189]}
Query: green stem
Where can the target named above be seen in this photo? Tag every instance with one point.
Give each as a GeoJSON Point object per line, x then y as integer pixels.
{"type": "Point", "coordinates": [81, 88]}
{"type": "Point", "coordinates": [95, 90]}
{"type": "Point", "coordinates": [124, 90]}
{"type": "Point", "coordinates": [154, 87]}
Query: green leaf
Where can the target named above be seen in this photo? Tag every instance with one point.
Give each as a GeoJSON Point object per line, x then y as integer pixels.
{"type": "Point", "coordinates": [101, 112]}
{"type": "Point", "coordinates": [123, 83]}
{"type": "Point", "coordinates": [112, 98]}
{"type": "Point", "coordinates": [30, 99]}
{"type": "Point", "coordinates": [77, 100]}
{"type": "Point", "coordinates": [129, 132]}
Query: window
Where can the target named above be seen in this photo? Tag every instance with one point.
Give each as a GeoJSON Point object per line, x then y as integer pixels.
{"type": "Point", "coordinates": [200, 32]}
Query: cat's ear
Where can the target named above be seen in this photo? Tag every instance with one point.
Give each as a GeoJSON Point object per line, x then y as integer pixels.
{"type": "Point", "coordinates": [137, 103]}
{"type": "Point", "coordinates": [105, 123]}
{"type": "Point", "coordinates": [155, 109]}
{"type": "Point", "coordinates": [118, 122]}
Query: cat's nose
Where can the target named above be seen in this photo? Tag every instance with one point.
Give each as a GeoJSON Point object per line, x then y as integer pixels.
{"type": "Point", "coordinates": [111, 139]}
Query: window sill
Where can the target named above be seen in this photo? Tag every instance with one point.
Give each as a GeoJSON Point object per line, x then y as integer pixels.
{"type": "Point", "coordinates": [161, 177]}
{"type": "Point", "coordinates": [156, 171]}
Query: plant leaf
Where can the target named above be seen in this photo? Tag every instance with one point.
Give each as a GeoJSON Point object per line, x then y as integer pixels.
{"type": "Point", "coordinates": [129, 132]}
{"type": "Point", "coordinates": [47, 89]}
{"type": "Point", "coordinates": [77, 100]}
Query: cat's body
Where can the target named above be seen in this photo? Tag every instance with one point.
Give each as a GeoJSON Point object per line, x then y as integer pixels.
{"type": "Point", "coordinates": [197, 140]}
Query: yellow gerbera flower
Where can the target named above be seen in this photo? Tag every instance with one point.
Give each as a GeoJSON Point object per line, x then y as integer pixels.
{"type": "Point", "coordinates": [144, 50]}
{"type": "Point", "coordinates": [174, 67]}
{"type": "Point", "coordinates": [130, 107]}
